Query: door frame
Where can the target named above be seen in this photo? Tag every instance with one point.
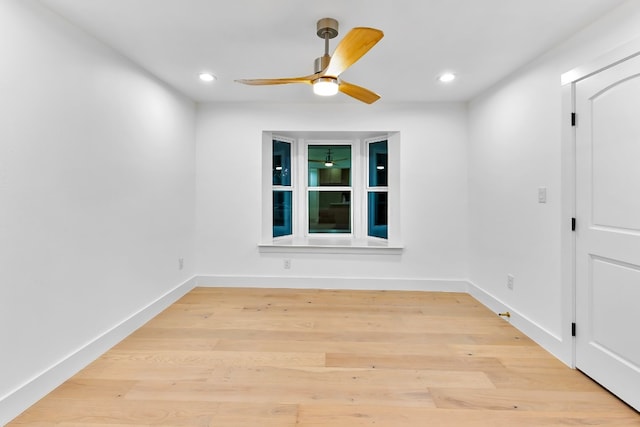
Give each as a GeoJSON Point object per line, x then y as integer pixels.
{"type": "Point", "coordinates": [569, 180]}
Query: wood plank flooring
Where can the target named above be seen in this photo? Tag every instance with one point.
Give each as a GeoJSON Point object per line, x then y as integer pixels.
{"type": "Point", "coordinates": [273, 357]}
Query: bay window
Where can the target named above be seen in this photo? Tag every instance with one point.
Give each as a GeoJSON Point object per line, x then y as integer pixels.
{"type": "Point", "coordinates": [325, 189]}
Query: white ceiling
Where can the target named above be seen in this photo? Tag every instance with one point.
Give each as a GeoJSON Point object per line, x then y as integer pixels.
{"type": "Point", "coordinates": [480, 40]}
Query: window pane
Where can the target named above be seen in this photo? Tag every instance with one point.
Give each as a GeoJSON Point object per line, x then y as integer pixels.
{"type": "Point", "coordinates": [329, 212]}
{"type": "Point", "coordinates": [329, 165]}
{"type": "Point", "coordinates": [281, 163]}
{"type": "Point", "coordinates": [377, 214]}
{"type": "Point", "coordinates": [378, 164]}
{"type": "Point", "coordinates": [281, 213]}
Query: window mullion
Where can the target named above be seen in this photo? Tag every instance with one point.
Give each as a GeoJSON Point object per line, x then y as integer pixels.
{"type": "Point", "coordinates": [358, 189]}
{"type": "Point", "coordinates": [300, 189]}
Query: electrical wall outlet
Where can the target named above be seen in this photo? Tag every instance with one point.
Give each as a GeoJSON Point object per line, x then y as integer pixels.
{"type": "Point", "coordinates": [180, 263]}
{"type": "Point", "coordinates": [510, 281]}
{"type": "Point", "coordinates": [287, 264]}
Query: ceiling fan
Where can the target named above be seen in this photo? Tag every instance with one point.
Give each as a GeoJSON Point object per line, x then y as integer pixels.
{"type": "Point", "coordinates": [329, 160]}
{"type": "Point", "coordinates": [327, 68]}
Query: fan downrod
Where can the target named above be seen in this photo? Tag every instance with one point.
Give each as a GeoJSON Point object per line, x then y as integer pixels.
{"type": "Point", "coordinates": [327, 28]}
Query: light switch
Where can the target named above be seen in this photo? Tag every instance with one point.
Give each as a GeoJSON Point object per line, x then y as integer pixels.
{"type": "Point", "coordinates": [542, 194]}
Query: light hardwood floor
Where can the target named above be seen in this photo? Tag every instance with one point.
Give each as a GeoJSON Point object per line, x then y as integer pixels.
{"type": "Point", "coordinates": [276, 358]}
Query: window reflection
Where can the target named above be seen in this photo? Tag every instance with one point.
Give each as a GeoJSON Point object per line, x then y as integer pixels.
{"type": "Point", "coordinates": [282, 213]}
{"type": "Point", "coordinates": [378, 167]}
{"type": "Point", "coordinates": [377, 208]}
{"type": "Point", "coordinates": [281, 164]}
{"type": "Point", "coordinates": [329, 212]}
{"type": "Point", "coordinates": [329, 165]}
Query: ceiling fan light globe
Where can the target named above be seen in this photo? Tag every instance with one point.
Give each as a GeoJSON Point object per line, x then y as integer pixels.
{"type": "Point", "coordinates": [325, 86]}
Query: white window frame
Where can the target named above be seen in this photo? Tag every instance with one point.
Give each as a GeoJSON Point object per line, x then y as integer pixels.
{"type": "Point", "coordinates": [358, 240]}
{"type": "Point", "coordinates": [303, 183]}
{"type": "Point", "coordinates": [294, 173]}
{"type": "Point", "coordinates": [368, 189]}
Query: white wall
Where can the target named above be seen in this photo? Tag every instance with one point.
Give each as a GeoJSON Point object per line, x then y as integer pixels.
{"type": "Point", "coordinates": [515, 147]}
{"type": "Point", "coordinates": [97, 192]}
{"type": "Point", "coordinates": [433, 190]}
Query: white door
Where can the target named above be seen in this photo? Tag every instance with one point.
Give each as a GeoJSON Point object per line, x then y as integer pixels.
{"type": "Point", "coordinates": [608, 228]}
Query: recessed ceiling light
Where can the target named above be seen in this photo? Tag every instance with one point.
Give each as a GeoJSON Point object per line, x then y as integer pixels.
{"type": "Point", "coordinates": [446, 77]}
{"type": "Point", "coordinates": [207, 77]}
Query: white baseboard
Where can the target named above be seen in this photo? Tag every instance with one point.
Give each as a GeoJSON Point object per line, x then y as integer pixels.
{"type": "Point", "coordinates": [18, 400]}
{"type": "Point", "coordinates": [546, 339]}
{"type": "Point", "coordinates": [352, 283]}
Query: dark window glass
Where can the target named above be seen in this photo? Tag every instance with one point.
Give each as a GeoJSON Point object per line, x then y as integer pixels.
{"type": "Point", "coordinates": [282, 213]}
{"type": "Point", "coordinates": [281, 164]}
{"type": "Point", "coordinates": [329, 165]}
{"type": "Point", "coordinates": [378, 164]}
{"type": "Point", "coordinates": [329, 212]}
{"type": "Point", "coordinates": [377, 218]}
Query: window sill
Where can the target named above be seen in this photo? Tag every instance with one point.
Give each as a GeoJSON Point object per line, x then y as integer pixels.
{"type": "Point", "coordinates": [331, 246]}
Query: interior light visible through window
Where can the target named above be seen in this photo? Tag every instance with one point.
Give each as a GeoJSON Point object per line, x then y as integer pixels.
{"type": "Point", "coordinates": [380, 167]}
{"type": "Point", "coordinates": [328, 162]}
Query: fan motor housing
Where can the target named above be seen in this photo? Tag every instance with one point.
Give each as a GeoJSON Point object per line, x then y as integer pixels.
{"type": "Point", "coordinates": [321, 63]}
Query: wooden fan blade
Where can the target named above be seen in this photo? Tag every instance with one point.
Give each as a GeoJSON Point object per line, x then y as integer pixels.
{"type": "Point", "coordinates": [351, 48]}
{"type": "Point", "coordinates": [286, 80]}
{"type": "Point", "coordinates": [358, 92]}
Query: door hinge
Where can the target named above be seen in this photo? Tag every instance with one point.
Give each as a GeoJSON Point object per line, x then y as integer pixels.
{"type": "Point", "coordinates": [573, 224]}
{"type": "Point", "coordinates": [573, 119]}
{"type": "Point", "coordinates": [573, 329]}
